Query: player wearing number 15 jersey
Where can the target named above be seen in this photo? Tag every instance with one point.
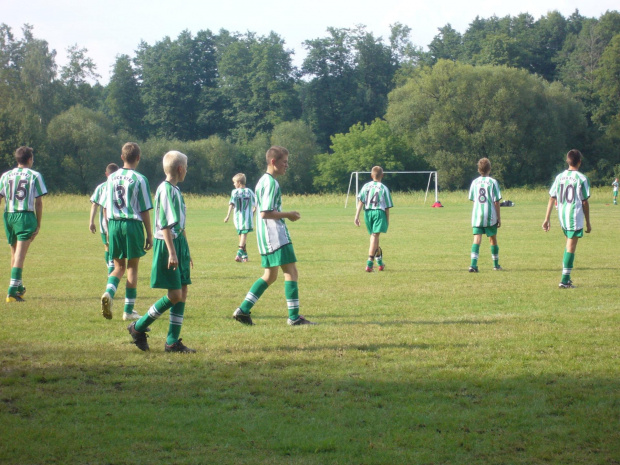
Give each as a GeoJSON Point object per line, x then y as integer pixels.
{"type": "Point", "coordinates": [571, 190]}
{"type": "Point", "coordinates": [485, 217]}
{"type": "Point", "coordinates": [22, 189]}
{"type": "Point", "coordinates": [127, 209]}
{"type": "Point", "coordinates": [376, 201]}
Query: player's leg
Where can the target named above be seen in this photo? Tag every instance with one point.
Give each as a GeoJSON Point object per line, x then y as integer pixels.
{"type": "Point", "coordinates": [131, 290]}
{"type": "Point", "coordinates": [18, 255]}
{"type": "Point", "coordinates": [568, 260]}
{"type": "Point", "coordinates": [495, 252]}
{"type": "Point", "coordinates": [109, 262]}
{"type": "Point", "coordinates": [243, 238]}
{"type": "Point", "coordinates": [379, 254]}
{"type": "Point", "coordinates": [475, 252]}
{"type": "Point", "coordinates": [173, 341]}
{"type": "Point", "coordinates": [291, 292]}
{"type": "Point", "coordinates": [374, 243]}
{"type": "Point", "coordinates": [107, 299]}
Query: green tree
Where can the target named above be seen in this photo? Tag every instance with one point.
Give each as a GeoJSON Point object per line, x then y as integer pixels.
{"type": "Point", "coordinates": [75, 77]}
{"type": "Point", "coordinates": [123, 102]}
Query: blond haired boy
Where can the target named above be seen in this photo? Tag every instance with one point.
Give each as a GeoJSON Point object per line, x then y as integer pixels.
{"type": "Point", "coordinates": [376, 200]}
{"type": "Point", "coordinates": [171, 258]}
{"type": "Point", "coordinates": [485, 217]}
{"type": "Point", "coordinates": [274, 242]}
{"type": "Point", "coordinates": [243, 201]}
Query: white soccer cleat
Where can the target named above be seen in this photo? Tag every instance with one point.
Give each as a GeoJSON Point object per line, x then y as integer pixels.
{"type": "Point", "coordinates": [131, 316]}
{"type": "Point", "coordinates": [106, 305]}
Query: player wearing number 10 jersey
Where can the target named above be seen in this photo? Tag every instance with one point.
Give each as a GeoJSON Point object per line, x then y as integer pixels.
{"type": "Point", "coordinates": [485, 217]}
{"type": "Point", "coordinates": [571, 189]}
{"type": "Point", "coordinates": [127, 209]}
{"type": "Point", "coordinates": [22, 189]}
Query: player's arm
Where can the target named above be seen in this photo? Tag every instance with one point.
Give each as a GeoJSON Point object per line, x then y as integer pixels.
{"type": "Point", "coordinates": [275, 215]}
{"type": "Point", "coordinates": [173, 261]}
{"type": "Point", "coordinates": [586, 215]}
{"type": "Point", "coordinates": [38, 210]}
{"type": "Point", "coordinates": [230, 208]}
{"type": "Point", "coordinates": [546, 224]}
{"type": "Point", "coordinates": [146, 219]}
{"type": "Point", "coordinates": [191, 262]}
{"type": "Point", "coordinates": [497, 212]}
{"type": "Point", "coordinates": [93, 212]}
{"type": "Point", "coordinates": [360, 205]}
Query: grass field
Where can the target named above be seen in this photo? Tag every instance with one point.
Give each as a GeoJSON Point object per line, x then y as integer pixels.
{"type": "Point", "coordinates": [421, 364]}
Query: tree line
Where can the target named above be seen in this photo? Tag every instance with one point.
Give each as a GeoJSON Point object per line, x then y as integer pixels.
{"type": "Point", "coordinates": [518, 90]}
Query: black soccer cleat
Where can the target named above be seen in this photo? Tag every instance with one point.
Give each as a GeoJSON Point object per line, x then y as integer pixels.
{"type": "Point", "coordinates": [139, 338]}
{"type": "Point", "coordinates": [179, 347]}
{"type": "Point", "coordinates": [241, 317]}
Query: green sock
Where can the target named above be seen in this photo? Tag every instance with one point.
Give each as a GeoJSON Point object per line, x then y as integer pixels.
{"type": "Point", "coordinates": [240, 252]}
{"type": "Point", "coordinates": [16, 281]}
{"type": "Point", "coordinates": [156, 310]}
{"type": "Point", "coordinates": [112, 285]}
{"type": "Point", "coordinates": [370, 261]}
{"type": "Point", "coordinates": [567, 266]}
{"type": "Point", "coordinates": [130, 299]}
{"type": "Point", "coordinates": [495, 254]}
{"type": "Point", "coordinates": [257, 289]}
{"type": "Point", "coordinates": [475, 251]}
{"type": "Point", "coordinates": [291, 292]}
{"type": "Point", "coordinates": [176, 321]}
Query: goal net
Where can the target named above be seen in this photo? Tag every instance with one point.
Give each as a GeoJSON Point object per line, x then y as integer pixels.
{"type": "Point", "coordinates": [356, 174]}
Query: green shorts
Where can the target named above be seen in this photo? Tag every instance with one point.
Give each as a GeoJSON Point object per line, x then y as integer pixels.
{"type": "Point", "coordinates": [376, 221]}
{"type": "Point", "coordinates": [104, 238]}
{"type": "Point", "coordinates": [244, 231]}
{"type": "Point", "coordinates": [282, 256]}
{"type": "Point", "coordinates": [572, 234]}
{"type": "Point", "coordinates": [615, 193]}
{"type": "Point", "coordinates": [490, 231]}
{"type": "Point", "coordinates": [126, 239]}
{"type": "Point", "coordinates": [163, 277]}
{"type": "Point", "coordinates": [19, 226]}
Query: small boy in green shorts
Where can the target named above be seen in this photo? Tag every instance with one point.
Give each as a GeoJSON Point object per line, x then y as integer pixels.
{"type": "Point", "coordinates": [171, 258]}
{"type": "Point", "coordinates": [571, 190]}
{"type": "Point", "coordinates": [98, 200]}
{"type": "Point", "coordinates": [274, 242]}
{"type": "Point", "coordinates": [243, 201]}
{"type": "Point", "coordinates": [485, 216]}
{"type": "Point", "coordinates": [22, 189]}
{"type": "Point", "coordinates": [127, 205]}
{"type": "Point", "coordinates": [376, 200]}
{"type": "Point", "coordinates": [615, 185]}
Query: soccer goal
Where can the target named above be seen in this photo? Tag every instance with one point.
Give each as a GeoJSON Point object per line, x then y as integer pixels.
{"type": "Point", "coordinates": [431, 175]}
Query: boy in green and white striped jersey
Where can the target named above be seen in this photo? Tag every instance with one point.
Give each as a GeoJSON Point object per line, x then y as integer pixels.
{"type": "Point", "coordinates": [22, 189]}
{"type": "Point", "coordinates": [243, 201]}
{"type": "Point", "coordinates": [127, 205]}
{"type": "Point", "coordinates": [485, 216]}
{"type": "Point", "coordinates": [171, 258]}
{"type": "Point", "coordinates": [615, 185]}
{"type": "Point", "coordinates": [376, 200]}
{"type": "Point", "coordinates": [274, 242]}
{"type": "Point", "coordinates": [98, 200]}
{"type": "Point", "coordinates": [571, 189]}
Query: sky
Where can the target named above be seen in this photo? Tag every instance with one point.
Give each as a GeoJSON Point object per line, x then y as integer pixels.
{"type": "Point", "coordinates": [108, 28]}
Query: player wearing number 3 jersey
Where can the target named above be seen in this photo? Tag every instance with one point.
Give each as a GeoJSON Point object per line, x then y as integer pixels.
{"type": "Point", "coordinates": [485, 217]}
{"type": "Point", "coordinates": [571, 190]}
{"type": "Point", "coordinates": [22, 189]}
{"type": "Point", "coordinates": [127, 209]}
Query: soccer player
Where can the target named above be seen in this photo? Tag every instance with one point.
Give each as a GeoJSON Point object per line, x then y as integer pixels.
{"type": "Point", "coordinates": [485, 217]}
{"type": "Point", "coordinates": [572, 191]}
{"type": "Point", "coordinates": [243, 201]}
{"type": "Point", "coordinates": [127, 205]}
{"type": "Point", "coordinates": [171, 258]}
{"type": "Point", "coordinates": [274, 242]}
{"type": "Point", "coordinates": [615, 186]}
{"type": "Point", "coordinates": [376, 200]}
{"type": "Point", "coordinates": [22, 189]}
{"type": "Point", "coordinates": [98, 200]}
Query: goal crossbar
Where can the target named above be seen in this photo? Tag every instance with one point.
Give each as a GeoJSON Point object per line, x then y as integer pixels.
{"type": "Point", "coordinates": [431, 175]}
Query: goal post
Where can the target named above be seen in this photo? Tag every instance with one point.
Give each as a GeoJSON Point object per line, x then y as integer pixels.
{"type": "Point", "coordinates": [356, 174]}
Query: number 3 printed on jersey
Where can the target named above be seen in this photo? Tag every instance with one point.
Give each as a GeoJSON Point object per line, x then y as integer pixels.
{"type": "Point", "coordinates": [120, 201]}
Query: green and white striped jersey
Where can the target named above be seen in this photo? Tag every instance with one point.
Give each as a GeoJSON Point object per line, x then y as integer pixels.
{"type": "Point", "coordinates": [128, 195]}
{"type": "Point", "coordinates": [244, 200]}
{"type": "Point", "coordinates": [375, 196]}
{"type": "Point", "coordinates": [20, 187]}
{"type": "Point", "coordinates": [570, 189]}
{"type": "Point", "coordinates": [615, 185]}
{"type": "Point", "coordinates": [98, 198]}
{"type": "Point", "coordinates": [169, 211]}
{"type": "Point", "coordinates": [484, 192]}
{"type": "Point", "coordinates": [271, 234]}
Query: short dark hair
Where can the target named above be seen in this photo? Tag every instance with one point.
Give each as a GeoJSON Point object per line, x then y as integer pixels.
{"type": "Point", "coordinates": [111, 168]}
{"type": "Point", "coordinates": [23, 154]}
{"type": "Point", "coordinates": [275, 153]}
{"type": "Point", "coordinates": [131, 152]}
{"type": "Point", "coordinates": [573, 157]}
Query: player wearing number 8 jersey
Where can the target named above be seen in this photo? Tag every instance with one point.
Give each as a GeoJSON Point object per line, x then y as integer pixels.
{"type": "Point", "coordinates": [485, 217]}
{"type": "Point", "coordinates": [571, 190]}
{"type": "Point", "coordinates": [376, 200]}
{"type": "Point", "coordinates": [22, 189]}
{"type": "Point", "coordinates": [127, 209]}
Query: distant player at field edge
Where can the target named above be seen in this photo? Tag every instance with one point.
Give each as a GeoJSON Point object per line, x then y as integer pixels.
{"type": "Point", "coordinates": [615, 185]}
{"type": "Point", "coordinates": [243, 201]}
{"type": "Point", "coordinates": [485, 217]}
{"type": "Point", "coordinates": [22, 189]}
{"type": "Point", "coordinates": [98, 200]}
{"type": "Point", "coordinates": [376, 200]}
{"type": "Point", "coordinates": [572, 191]}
